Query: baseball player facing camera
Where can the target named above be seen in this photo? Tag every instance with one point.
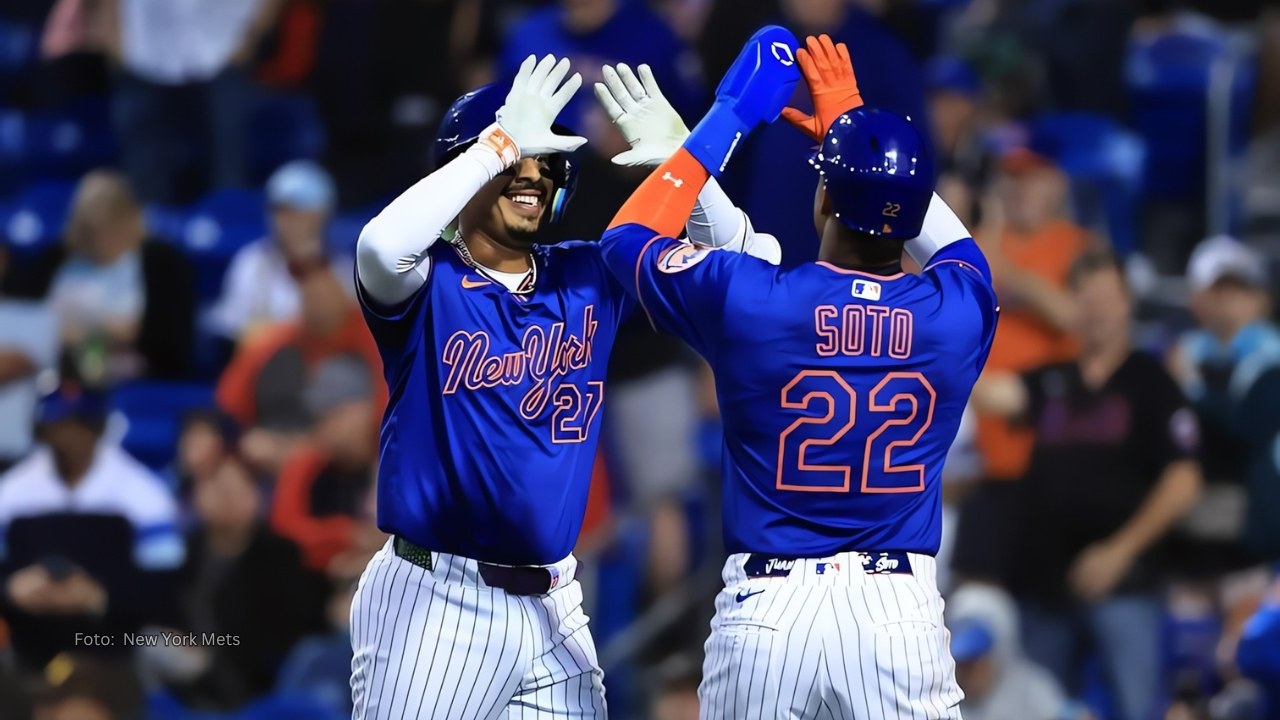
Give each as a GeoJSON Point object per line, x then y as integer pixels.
{"type": "Point", "coordinates": [841, 384]}
{"type": "Point", "coordinates": [495, 348]}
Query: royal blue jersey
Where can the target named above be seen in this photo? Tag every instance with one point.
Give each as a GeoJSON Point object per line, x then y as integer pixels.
{"type": "Point", "coordinates": [840, 392]}
{"type": "Point", "coordinates": [489, 437]}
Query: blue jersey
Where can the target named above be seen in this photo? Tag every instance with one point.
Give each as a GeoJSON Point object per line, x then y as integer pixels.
{"type": "Point", "coordinates": [489, 437]}
{"type": "Point", "coordinates": [840, 392]}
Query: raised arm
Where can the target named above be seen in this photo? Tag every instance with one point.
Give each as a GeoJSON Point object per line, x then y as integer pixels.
{"type": "Point", "coordinates": [391, 255]}
{"type": "Point", "coordinates": [682, 287]}
{"type": "Point", "coordinates": [635, 103]}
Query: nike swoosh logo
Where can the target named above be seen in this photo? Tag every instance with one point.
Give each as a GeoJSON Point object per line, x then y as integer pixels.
{"type": "Point", "coordinates": [470, 284]}
{"type": "Point", "coordinates": [741, 596]}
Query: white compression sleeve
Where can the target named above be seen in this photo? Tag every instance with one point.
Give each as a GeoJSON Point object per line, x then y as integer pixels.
{"type": "Point", "coordinates": [391, 255]}
{"type": "Point", "coordinates": [941, 228]}
{"type": "Point", "coordinates": [716, 221]}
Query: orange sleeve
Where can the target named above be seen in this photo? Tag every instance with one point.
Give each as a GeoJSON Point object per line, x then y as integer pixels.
{"type": "Point", "coordinates": [320, 539]}
{"type": "Point", "coordinates": [664, 201]}
{"type": "Point", "coordinates": [236, 389]}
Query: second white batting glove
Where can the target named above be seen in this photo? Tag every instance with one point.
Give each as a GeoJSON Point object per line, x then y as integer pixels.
{"type": "Point", "coordinates": [538, 94]}
{"type": "Point", "coordinates": [648, 122]}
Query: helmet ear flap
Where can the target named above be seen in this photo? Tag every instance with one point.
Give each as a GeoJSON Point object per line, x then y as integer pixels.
{"type": "Point", "coordinates": [568, 182]}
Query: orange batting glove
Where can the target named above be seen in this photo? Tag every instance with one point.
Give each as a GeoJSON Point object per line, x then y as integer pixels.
{"type": "Point", "coordinates": [829, 72]}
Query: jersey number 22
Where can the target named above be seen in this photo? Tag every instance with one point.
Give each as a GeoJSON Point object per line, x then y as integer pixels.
{"type": "Point", "coordinates": [895, 394]}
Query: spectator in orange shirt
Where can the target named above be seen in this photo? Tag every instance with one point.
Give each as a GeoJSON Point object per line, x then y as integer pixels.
{"type": "Point", "coordinates": [1031, 244]}
{"type": "Point", "coordinates": [324, 482]}
{"type": "Point", "coordinates": [264, 386]}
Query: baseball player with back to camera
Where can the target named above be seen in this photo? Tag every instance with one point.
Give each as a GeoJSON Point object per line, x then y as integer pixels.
{"type": "Point", "coordinates": [494, 350]}
{"type": "Point", "coordinates": [841, 383]}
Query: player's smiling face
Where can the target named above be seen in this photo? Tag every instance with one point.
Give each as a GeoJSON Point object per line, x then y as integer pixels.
{"type": "Point", "coordinates": [510, 207]}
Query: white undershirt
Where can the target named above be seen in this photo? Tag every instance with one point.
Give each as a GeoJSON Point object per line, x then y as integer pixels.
{"type": "Point", "coordinates": [511, 281]}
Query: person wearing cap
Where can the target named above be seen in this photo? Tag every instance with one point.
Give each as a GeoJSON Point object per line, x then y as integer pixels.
{"type": "Point", "coordinates": [89, 539]}
{"type": "Point", "coordinates": [1229, 367]}
{"type": "Point", "coordinates": [1031, 245]}
{"type": "Point", "coordinates": [998, 680]}
{"type": "Point", "coordinates": [1112, 470]}
{"type": "Point", "coordinates": [261, 284]}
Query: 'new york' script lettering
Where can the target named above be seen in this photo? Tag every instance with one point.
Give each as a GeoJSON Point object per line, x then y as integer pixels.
{"type": "Point", "coordinates": [544, 355]}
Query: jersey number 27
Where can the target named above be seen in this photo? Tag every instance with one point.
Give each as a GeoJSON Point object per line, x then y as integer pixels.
{"type": "Point", "coordinates": [897, 393]}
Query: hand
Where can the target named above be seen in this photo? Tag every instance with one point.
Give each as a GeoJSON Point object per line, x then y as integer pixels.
{"type": "Point", "coordinates": [79, 594]}
{"type": "Point", "coordinates": [646, 119]}
{"type": "Point", "coordinates": [266, 450]}
{"type": "Point", "coordinates": [1099, 568]}
{"type": "Point", "coordinates": [29, 589]}
{"type": "Point", "coordinates": [752, 93]}
{"type": "Point", "coordinates": [829, 72]}
{"type": "Point", "coordinates": [537, 96]}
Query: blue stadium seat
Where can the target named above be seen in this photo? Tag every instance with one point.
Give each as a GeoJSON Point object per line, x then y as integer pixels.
{"type": "Point", "coordinates": [284, 128]}
{"type": "Point", "coordinates": [71, 141]}
{"type": "Point", "coordinates": [155, 411]}
{"type": "Point", "coordinates": [344, 230]}
{"type": "Point", "coordinates": [19, 46]}
{"type": "Point", "coordinates": [216, 227]}
{"type": "Point", "coordinates": [1169, 78]}
{"type": "Point", "coordinates": [33, 220]}
{"type": "Point", "coordinates": [167, 222]}
{"type": "Point", "coordinates": [287, 707]}
{"type": "Point", "coordinates": [1104, 161]}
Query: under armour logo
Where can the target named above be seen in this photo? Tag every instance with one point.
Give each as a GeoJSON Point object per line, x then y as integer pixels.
{"type": "Point", "coordinates": [673, 179]}
{"type": "Point", "coordinates": [782, 53]}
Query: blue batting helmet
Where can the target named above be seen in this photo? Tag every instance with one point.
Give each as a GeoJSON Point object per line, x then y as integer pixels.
{"type": "Point", "coordinates": [878, 171]}
{"type": "Point", "coordinates": [470, 114]}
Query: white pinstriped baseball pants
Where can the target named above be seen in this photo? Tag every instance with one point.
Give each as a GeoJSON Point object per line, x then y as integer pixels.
{"type": "Point", "coordinates": [443, 644]}
{"type": "Point", "coordinates": [837, 644]}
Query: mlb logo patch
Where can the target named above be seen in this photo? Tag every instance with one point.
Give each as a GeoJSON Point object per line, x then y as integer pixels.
{"type": "Point", "coordinates": [823, 568]}
{"type": "Point", "coordinates": [682, 257]}
{"type": "Point", "coordinates": [555, 578]}
{"type": "Point", "coordinates": [866, 289]}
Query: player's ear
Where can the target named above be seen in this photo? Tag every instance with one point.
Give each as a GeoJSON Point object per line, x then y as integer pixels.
{"type": "Point", "coordinates": [822, 201]}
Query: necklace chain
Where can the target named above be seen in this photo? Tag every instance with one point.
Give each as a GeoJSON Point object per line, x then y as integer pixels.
{"type": "Point", "coordinates": [526, 286]}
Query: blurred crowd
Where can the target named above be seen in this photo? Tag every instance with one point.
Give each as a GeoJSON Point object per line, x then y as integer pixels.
{"type": "Point", "coordinates": [189, 398]}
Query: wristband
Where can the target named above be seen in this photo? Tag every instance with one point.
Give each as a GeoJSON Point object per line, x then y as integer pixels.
{"type": "Point", "coordinates": [716, 138]}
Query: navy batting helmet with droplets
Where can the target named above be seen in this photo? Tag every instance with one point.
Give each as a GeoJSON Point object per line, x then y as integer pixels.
{"type": "Point", "coordinates": [878, 171]}
{"type": "Point", "coordinates": [470, 114]}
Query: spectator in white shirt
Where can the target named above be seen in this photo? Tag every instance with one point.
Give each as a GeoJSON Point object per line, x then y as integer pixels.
{"type": "Point", "coordinates": [184, 67]}
{"type": "Point", "coordinates": [89, 540]}
{"type": "Point", "coordinates": [260, 285]}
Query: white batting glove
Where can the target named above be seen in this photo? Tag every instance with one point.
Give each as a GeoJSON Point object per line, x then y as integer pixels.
{"type": "Point", "coordinates": [646, 119]}
{"type": "Point", "coordinates": [538, 94]}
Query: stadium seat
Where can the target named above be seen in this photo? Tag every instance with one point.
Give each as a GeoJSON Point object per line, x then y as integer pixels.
{"type": "Point", "coordinates": [344, 230]}
{"type": "Point", "coordinates": [154, 411]}
{"type": "Point", "coordinates": [1104, 161]}
{"type": "Point", "coordinates": [19, 46]}
{"type": "Point", "coordinates": [284, 128]}
{"type": "Point", "coordinates": [216, 227]}
{"type": "Point", "coordinates": [71, 141]}
{"type": "Point", "coordinates": [166, 222]}
{"type": "Point", "coordinates": [287, 707]}
{"type": "Point", "coordinates": [33, 220]}
{"type": "Point", "coordinates": [1169, 79]}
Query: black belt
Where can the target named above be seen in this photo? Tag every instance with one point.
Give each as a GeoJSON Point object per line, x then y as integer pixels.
{"type": "Point", "coordinates": [523, 580]}
{"type": "Point", "coordinates": [759, 565]}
